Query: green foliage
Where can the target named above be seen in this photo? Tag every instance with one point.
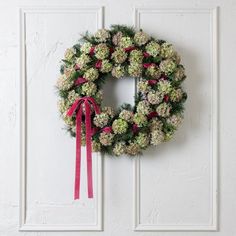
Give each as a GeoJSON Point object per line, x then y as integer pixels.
{"type": "Point", "coordinates": [124, 137]}
{"type": "Point", "coordinates": [168, 127]}
{"type": "Point", "coordinates": [102, 80]}
{"type": "Point", "coordinates": [127, 31]}
{"type": "Point", "coordinates": [77, 47]}
{"type": "Point", "coordinates": [78, 89]}
{"type": "Point", "coordinates": [137, 99]}
{"type": "Point", "coordinates": [62, 69]}
{"type": "Point", "coordinates": [125, 106]}
{"type": "Point", "coordinates": [69, 130]}
{"type": "Point", "coordinates": [63, 94]}
{"type": "Point", "coordinates": [107, 150]}
{"type": "Point", "coordinates": [87, 37]}
{"type": "Point", "coordinates": [177, 107]}
{"type": "Point", "coordinates": [67, 63]}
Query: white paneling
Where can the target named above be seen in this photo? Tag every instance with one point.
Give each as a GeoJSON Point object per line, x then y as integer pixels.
{"type": "Point", "coordinates": [118, 180]}
{"type": "Point", "coordinates": [175, 186]}
{"type": "Point", "coordinates": [47, 151]}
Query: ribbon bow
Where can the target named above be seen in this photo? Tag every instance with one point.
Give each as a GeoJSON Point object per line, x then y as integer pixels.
{"type": "Point", "coordinates": [77, 107]}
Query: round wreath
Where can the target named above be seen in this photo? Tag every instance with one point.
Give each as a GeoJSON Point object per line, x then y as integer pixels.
{"type": "Point", "coordinates": [117, 53]}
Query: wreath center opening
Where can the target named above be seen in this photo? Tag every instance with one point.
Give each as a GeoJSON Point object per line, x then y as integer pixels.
{"type": "Point", "coordinates": [118, 92]}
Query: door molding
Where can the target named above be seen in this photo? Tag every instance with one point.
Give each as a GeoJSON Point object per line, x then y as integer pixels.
{"type": "Point", "coordinates": [23, 226]}
{"type": "Point", "coordinates": [137, 225]}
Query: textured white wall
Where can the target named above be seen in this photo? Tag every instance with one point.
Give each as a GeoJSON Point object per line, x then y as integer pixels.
{"type": "Point", "coordinates": [176, 188]}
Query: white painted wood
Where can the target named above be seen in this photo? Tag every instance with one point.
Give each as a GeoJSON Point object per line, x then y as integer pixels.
{"type": "Point", "coordinates": [138, 225]}
{"type": "Point", "coordinates": [120, 199]}
{"type": "Point", "coordinates": [25, 88]}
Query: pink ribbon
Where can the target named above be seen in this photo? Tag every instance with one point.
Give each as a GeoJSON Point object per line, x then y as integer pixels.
{"type": "Point", "coordinates": [129, 49]}
{"type": "Point", "coordinates": [152, 82]}
{"type": "Point", "coordinates": [98, 64]}
{"type": "Point", "coordinates": [166, 98]}
{"type": "Point", "coordinates": [135, 128]}
{"type": "Point", "coordinates": [152, 114]}
{"type": "Point", "coordinates": [77, 107]}
{"type": "Point", "coordinates": [80, 80]}
{"type": "Point", "coordinates": [163, 77]}
{"type": "Point", "coordinates": [107, 129]}
{"type": "Point", "coordinates": [94, 130]}
{"type": "Point", "coordinates": [145, 54]}
{"type": "Point", "coordinates": [147, 65]}
{"type": "Point", "coordinates": [77, 67]}
{"type": "Point", "coordinates": [111, 50]}
{"type": "Point", "coordinates": [91, 51]}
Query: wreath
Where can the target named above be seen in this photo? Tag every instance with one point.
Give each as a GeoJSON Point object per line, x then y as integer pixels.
{"type": "Point", "coordinates": [118, 53]}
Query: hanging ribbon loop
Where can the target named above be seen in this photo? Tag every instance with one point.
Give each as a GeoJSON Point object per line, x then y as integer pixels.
{"type": "Point", "coordinates": [77, 108]}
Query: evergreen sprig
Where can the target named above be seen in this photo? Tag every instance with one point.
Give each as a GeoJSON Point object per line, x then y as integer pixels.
{"type": "Point", "coordinates": [127, 31]}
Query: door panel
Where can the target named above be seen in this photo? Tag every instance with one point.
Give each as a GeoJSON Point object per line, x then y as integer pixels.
{"type": "Point", "coordinates": [170, 177]}
{"type": "Point", "coordinates": [50, 161]}
{"type": "Point", "coordinates": [184, 187]}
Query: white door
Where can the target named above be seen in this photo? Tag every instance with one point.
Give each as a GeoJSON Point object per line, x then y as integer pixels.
{"type": "Point", "coordinates": [183, 187]}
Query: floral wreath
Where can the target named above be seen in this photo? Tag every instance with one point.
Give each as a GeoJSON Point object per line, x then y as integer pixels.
{"type": "Point", "coordinates": [118, 53]}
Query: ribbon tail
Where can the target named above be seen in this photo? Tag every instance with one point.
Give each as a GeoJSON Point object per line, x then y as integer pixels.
{"type": "Point", "coordinates": [78, 154]}
{"type": "Point", "coordinates": [89, 148]}
{"type": "Point", "coordinates": [72, 109]}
